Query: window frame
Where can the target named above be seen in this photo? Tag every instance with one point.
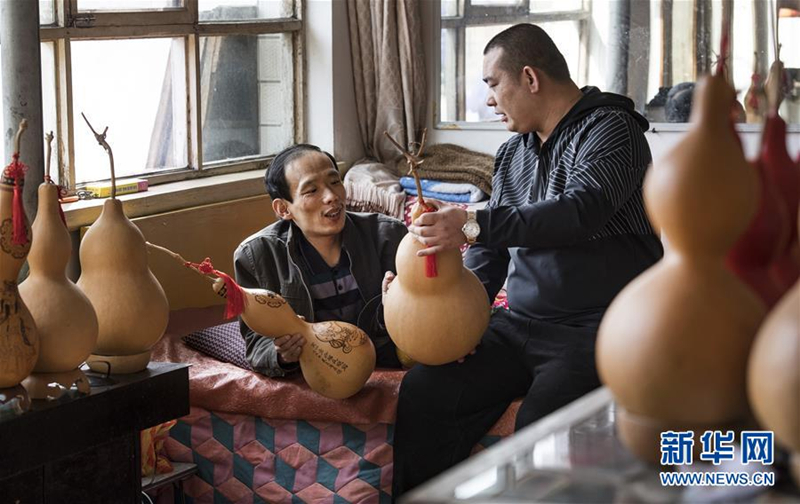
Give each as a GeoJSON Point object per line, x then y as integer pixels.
{"type": "Point", "coordinates": [470, 15]}
{"type": "Point", "coordinates": [183, 23]}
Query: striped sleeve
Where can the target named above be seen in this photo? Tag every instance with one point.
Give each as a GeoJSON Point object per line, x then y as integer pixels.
{"type": "Point", "coordinates": [605, 174]}
{"type": "Point", "coordinates": [488, 261]}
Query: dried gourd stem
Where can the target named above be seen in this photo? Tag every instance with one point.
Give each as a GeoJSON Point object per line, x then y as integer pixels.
{"type": "Point", "coordinates": [422, 142]}
{"type": "Point", "coordinates": [23, 125]}
{"type": "Point", "coordinates": [101, 139]}
{"type": "Point", "coordinates": [180, 259]}
{"type": "Point", "coordinates": [49, 137]}
{"type": "Point", "coordinates": [774, 85]}
{"type": "Point", "coordinates": [412, 161]}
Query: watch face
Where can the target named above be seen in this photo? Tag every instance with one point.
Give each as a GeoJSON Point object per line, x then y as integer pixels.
{"type": "Point", "coordinates": [471, 229]}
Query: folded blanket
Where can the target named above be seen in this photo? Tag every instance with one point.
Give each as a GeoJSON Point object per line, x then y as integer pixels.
{"type": "Point", "coordinates": [453, 163]}
{"type": "Point", "coordinates": [445, 191]}
{"type": "Point", "coordinates": [374, 187]}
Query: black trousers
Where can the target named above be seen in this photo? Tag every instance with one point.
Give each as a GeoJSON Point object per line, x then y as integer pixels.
{"type": "Point", "coordinates": [443, 411]}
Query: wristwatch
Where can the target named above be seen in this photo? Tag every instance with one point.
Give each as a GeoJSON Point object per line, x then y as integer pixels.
{"type": "Point", "coordinates": [471, 228]}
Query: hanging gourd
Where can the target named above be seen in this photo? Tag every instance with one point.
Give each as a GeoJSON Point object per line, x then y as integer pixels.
{"type": "Point", "coordinates": [64, 316]}
{"type": "Point", "coordinates": [755, 101]}
{"type": "Point", "coordinates": [766, 238]}
{"type": "Point", "coordinates": [436, 310]}
{"type": "Point", "coordinates": [773, 379]}
{"type": "Point", "coordinates": [673, 345]}
{"type": "Point", "coordinates": [19, 341]}
{"type": "Point", "coordinates": [131, 307]}
{"type": "Point", "coordinates": [337, 358]}
{"type": "Point", "coordinates": [785, 176]}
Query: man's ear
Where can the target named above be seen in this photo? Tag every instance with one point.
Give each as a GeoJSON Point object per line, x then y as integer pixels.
{"type": "Point", "coordinates": [531, 78]}
{"type": "Point", "coordinates": [281, 209]}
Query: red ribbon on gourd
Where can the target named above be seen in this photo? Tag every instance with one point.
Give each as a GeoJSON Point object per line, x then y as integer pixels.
{"type": "Point", "coordinates": [430, 261]}
{"type": "Point", "coordinates": [62, 193]}
{"type": "Point", "coordinates": [16, 171]}
{"type": "Point", "coordinates": [233, 292]}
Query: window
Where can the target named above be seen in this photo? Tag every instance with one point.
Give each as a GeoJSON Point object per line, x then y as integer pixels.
{"type": "Point", "coordinates": [468, 25]}
{"type": "Point", "coordinates": [186, 88]}
{"type": "Point", "coordinates": [652, 51]}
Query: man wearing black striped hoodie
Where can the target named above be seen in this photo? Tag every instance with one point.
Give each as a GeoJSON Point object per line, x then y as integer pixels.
{"type": "Point", "coordinates": [565, 228]}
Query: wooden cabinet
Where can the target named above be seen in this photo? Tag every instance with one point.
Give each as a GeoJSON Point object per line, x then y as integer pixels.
{"type": "Point", "coordinates": [86, 448]}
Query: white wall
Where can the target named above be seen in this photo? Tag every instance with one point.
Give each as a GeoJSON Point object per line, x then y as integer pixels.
{"type": "Point", "coordinates": [331, 118]}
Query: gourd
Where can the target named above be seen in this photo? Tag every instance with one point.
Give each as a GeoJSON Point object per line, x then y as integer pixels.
{"type": "Point", "coordinates": [673, 345]}
{"type": "Point", "coordinates": [337, 358]}
{"type": "Point", "coordinates": [785, 175]}
{"type": "Point", "coordinates": [132, 309]}
{"type": "Point", "coordinates": [434, 314]}
{"type": "Point", "coordinates": [19, 340]}
{"type": "Point", "coordinates": [64, 316]}
{"type": "Point", "coordinates": [773, 378]}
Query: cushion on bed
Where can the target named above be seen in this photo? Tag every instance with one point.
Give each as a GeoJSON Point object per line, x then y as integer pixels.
{"type": "Point", "coordinates": [223, 342]}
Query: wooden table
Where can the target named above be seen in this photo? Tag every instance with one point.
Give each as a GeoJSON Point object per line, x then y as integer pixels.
{"type": "Point", "coordinates": [85, 448]}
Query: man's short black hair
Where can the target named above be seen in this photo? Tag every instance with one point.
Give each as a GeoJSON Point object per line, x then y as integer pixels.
{"type": "Point", "coordinates": [528, 45]}
{"type": "Point", "coordinates": [275, 176]}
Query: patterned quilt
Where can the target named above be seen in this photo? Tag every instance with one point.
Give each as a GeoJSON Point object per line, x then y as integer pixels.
{"type": "Point", "coordinates": [246, 459]}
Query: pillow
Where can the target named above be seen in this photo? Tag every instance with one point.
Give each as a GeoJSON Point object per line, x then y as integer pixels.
{"type": "Point", "coordinates": [223, 342]}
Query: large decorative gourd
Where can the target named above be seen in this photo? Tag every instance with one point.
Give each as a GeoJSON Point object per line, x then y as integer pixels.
{"type": "Point", "coordinates": [673, 345]}
{"type": "Point", "coordinates": [436, 310]}
{"type": "Point", "coordinates": [64, 316]}
{"type": "Point", "coordinates": [337, 358]}
{"type": "Point", "coordinates": [766, 238]}
{"type": "Point", "coordinates": [132, 309]}
{"type": "Point", "coordinates": [19, 341]}
{"type": "Point", "coordinates": [785, 175]}
{"type": "Point", "coordinates": [773, 377]}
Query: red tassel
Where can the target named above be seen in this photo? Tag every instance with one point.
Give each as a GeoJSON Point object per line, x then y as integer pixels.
{"type": "Point", "coordinates": [430, 261]}
{"type": "Point", "coordinates": [18, 214]}
{"type": "Point", "coordinates": [233, 291]}
{"type": "Point", "coordinates": [16, 172]}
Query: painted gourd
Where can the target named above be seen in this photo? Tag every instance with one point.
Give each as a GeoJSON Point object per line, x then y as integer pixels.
{"type": "Point", "coordinates": [673, 345]}
{"type": "Point", "coordinates": [132, 309]}
{"type": "Point", "coordinates": [64, 316]}
{"type": "Point", "coordinates": [337, 358]}
{"type": "Point", "coordinates": [19, 341]}
{"type": "Point", "coordinates": [773, 377]}
{"type": "Point", "coordinates": [439, 319]}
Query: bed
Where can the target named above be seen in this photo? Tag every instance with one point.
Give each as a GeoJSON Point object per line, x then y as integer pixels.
{"type": "Point", "coordinates": [272, 440]}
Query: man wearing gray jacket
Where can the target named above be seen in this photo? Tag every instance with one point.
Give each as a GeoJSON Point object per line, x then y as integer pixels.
{"type": "Point", "coordinates": [327, 263]}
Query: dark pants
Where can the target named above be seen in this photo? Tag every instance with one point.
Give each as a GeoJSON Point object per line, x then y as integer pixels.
{"type": "Point", "coordinates": [443, 411]}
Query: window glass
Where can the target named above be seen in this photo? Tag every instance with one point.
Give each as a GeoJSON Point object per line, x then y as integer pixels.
{"type": "Point", "coordinates": [137, 88]}
{"type": "Point", "coordinates": [247, 97]}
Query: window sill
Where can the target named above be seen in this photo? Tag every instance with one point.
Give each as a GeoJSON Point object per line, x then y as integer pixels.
{"type": "Point", "coordinates": [173, 196]}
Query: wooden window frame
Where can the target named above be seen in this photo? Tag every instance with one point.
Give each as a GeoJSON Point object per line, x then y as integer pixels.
{"type": "Point", "coordinates": [72, 25]}
{"type": "Point", "coordinates": [470, 15]}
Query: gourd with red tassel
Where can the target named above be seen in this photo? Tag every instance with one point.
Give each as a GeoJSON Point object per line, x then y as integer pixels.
{"type": "Point", "coordinates": [337, 358]}
{"type": "Point", "coordinates": [785, 175]}
{"type": "Point", "coordinates": [673, 345]}
{"type": "Point", "coordinates": [422, 292]}
{"type": "Point", "coordinates": [64, 316]}
{"type": "Point", "coordinates": [752, 256]}
{"type": "Point", "coordinates": [19, 340]}
{"type": "Point", "coordinates": [132, 309]}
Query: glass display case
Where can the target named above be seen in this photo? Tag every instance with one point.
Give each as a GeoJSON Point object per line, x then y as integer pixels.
{"type": "Point", "coordinates": [574, 455]}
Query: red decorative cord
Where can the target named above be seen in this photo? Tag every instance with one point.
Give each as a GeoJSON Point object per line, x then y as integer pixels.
{"type": "Point", "coordinates": [16, 171]}
{"type": "Point", "coordinates": [233, 292]}
{"type": "Point", "coordinates": [430, 261]}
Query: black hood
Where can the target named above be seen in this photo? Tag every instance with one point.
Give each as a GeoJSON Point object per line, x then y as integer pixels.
{"type": "Point", "coordinates": [593, 99]}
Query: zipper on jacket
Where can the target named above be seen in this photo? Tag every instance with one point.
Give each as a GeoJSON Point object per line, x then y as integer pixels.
{"type": "Point", "coordinates": [305, 287]}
